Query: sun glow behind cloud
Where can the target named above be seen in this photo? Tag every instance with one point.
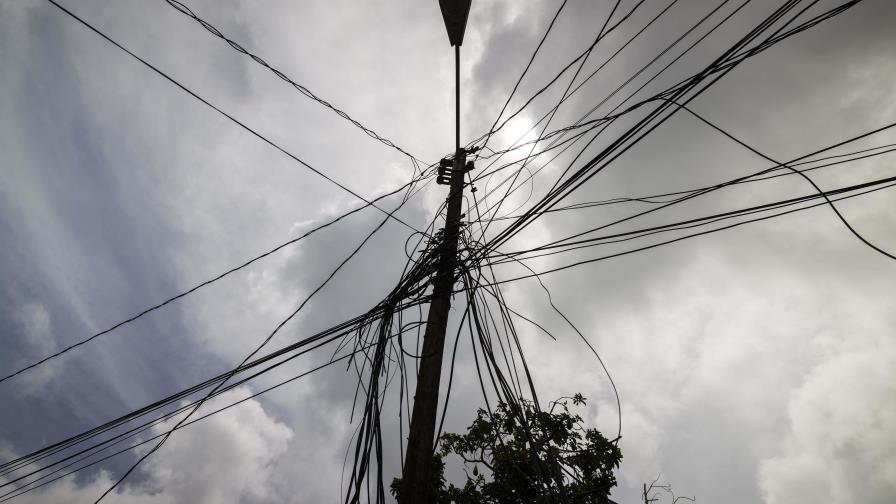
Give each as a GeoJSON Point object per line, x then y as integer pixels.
{"type": "Point", "coordinates": [703, 337]}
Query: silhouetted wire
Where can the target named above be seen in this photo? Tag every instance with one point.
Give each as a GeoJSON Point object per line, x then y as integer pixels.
{"type": "Point", "coordinates": [525, 71]}
{"type": "Point", "coordinates": [779, 35]}
{"type": "Point", "coordinates": [450, 377]}
{"type": "Point", "coordinates": [877, 185]}
{"type": "Point", "coordinates": [561, 72]}
{"type": "Point", "coordinates": [794, 170]}
{"type": "Point", "coordinates": [777, 15]}
{"type": "Point", "coordinates": [675, 240]}
{"type": "Point", "coordinates": [659, 96]}
{"type": "Point", "coordinates": [225, 114]}
{"type": "Point", "coordinates": [367, 437]}
{"type": "Point", "coordinates": [8, 495]}
{"type": "Point", "coordinates": [183, 9]}
{"type": "Point", "coordinates": [687, 91]}
{"type": "Point", "coordinates": [588, 343]}
{"type": "Point", "coordinates": [716, 187]}
{"type": "Point", "coordinates": [662, 53]}
{"type": "Point", "coordinates": [572, 80]}
{"type": "Point", "coordinates": [155, 307]}
{"type": "Point", "coordinates": [680, 225]}
{"type": "Point", "coordinates": [509, 397]}
{"type": "Point", "coordinates": [338, 330]}
{"type": "Point", "coordinates": [255, 351]}
{"type": "Point", "coordinates": [506, 392]}
{"type": "Point", "coordinates": [553, 111]}
{"type": "Point", "coordinates": [221, 391]}
{"type": "Point", "coordinates": [652, 199]}
{"type": "Point", "coordinates": [200, 285]}
{"type": "Point", "coordinates": [516, 143]}
{"type": "Point", "coordinates": [605, 121]}
{"type": "Point", "coordinates": [335, 333]}
{"type": "Point", "coordinates": [332, 335]}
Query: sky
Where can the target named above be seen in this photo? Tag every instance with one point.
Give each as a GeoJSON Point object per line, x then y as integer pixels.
{"type": "Point", "coordinates": [756, 364]}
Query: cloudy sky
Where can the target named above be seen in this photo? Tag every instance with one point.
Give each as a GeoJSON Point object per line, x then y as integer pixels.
{"type": "Point", "coordinates": [756, 364]}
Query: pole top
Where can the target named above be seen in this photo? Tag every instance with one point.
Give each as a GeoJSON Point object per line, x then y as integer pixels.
{"type": "Point", "coordinates": [455, 13]}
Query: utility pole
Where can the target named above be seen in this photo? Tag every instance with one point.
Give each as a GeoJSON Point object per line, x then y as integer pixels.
{"type": "Point", "coordinates": [416, 478]}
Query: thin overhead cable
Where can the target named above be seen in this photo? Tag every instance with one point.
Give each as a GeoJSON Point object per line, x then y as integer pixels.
{"type": "Point", "coordinates": [613, 114]}
{"type": "Point", "coordinates": [795, 171]}
{"type": "Point", "coordinates": [525, 71]}
{"type": "Point", "coordinates": [878, 184]}
{"type": "Point", "coordinates": [226, 273]}
{"type": "Point", "coordinates": [300, 348]}
{"type": "Point", "coordinates": [681, 238]}
{"type": "Point", "coordinates": [572, 80]}
{"type": "Point", "coordinates": [378, 346]}
{"type": "Point", "coordinates": [183, 9]}
{"type": "Point", "coordinates": [684, 92]}
{"type": "Point", "coordinates": [255, 351]}
{"type": "Point", "coordinates": [30, 486]}
{"type": "Point", "coordinates": [734, 181]}
{"type": "Point", "coordinates": [197, 286]}
{"type": "Point", "coordinates": [399, 301]}
{"type": "Point", "coordinates": [569, 65]}
{"type": "Point", "coordinates": [655, 198]}
{"type": "Point", "coordinates": [225, 114]}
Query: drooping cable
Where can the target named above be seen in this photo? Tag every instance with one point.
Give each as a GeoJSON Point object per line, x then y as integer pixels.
{"type": "Point", "coordinates": [183, 9]}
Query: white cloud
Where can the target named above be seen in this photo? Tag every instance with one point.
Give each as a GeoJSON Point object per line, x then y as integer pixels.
{"type": "Point", "coordinates": [36, 324]}
{"type": "Point", "coordinates": [842, 437]}
{"type": "Point", "coordinates": [743, 374]}
{"type": "Point", "coordinates": [227, 458]}
{"type": "Point", "coordinates": [772, 355]}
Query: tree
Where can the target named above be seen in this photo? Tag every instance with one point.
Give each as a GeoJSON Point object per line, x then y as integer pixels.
{"type": "Point", "coordinates": [651, 493]}
{"type": "Point", "coordinates": [518, 454]}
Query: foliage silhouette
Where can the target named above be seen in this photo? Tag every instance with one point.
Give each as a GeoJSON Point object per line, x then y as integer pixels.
{"type": "Point", "coordinates": [519, 454]}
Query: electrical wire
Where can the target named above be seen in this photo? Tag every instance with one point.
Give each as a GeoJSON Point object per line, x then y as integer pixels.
{"type": "Point", "coordinates": [225, 114]}
{"type": "Point", "coordinates": [183, 9]}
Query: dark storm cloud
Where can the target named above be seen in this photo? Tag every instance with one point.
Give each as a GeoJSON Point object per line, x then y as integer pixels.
{"type": "Point", "coordinates": [122, 191]}
{"type": "Point", "coordinates": [93, 209]}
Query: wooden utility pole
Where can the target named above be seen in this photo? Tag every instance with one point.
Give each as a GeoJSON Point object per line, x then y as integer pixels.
{"type": "Point", "coordinates": [416, 478]}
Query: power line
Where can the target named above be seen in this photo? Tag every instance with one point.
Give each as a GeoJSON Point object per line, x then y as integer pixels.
{"type": "Point", "coordinates": [183, 9]}
{"type": "Point", "coordinates": [569, 65]}
{"type": "Point", "coordinates": [419, 274]}
{"type": "Point", "coordinates": [734, 181]}
{"type": "Point", "coordinates": [255, 351]}
{"type": "Point", "coordinates": [9, 495]}
{"type": "Point", "coordinates": [675, 240]}
{"type": "Point", "coordinates": [686, 91]}
{"type": "Point", "coordinates": [652, 199]}
{"type": "Point", "coordinates": [225, 114]}
{"type": "Point", "coordinates": [197, 286]}
{"type": "Point", "coordinates": [301, 347]}
{"type": "Point", "coordinates": [697, 221]}
{"type": "Point", "coordinates": [371, 338]}
{"type": "Point", "coordinates": [612, 115]}
{"type": "Point", "coordinates": [228, 272]}
{"type": "Point", "coordinates": [523, 74]}
{"type": "Point", "coordinates": [572, 80]}
{"type": "Point", "coordinates": [795, 171]}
